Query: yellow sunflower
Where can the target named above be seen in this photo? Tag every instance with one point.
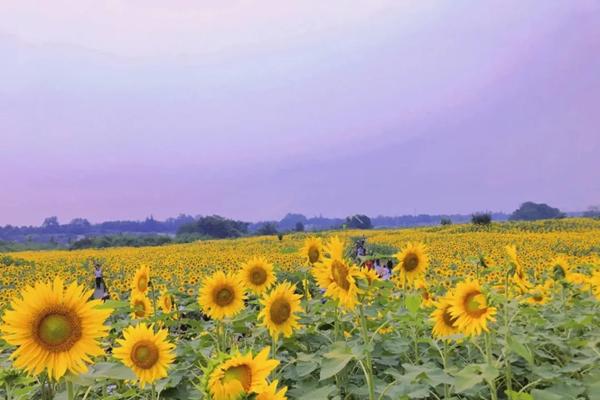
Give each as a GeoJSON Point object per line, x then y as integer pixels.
{"type": "Point", "coordinates": [239, 375]}
{"type": "Point", "coordinates": [279, 310]}
{"type": "Point", "coordinates": [560, 267]}
{"type": "Point", "coordinates": [595, 282]}
{"type": "Point", "coordinates": [166, 301]}
{"type": "Point", "coordinates": [539, 294]}
{"type": "Point", "coordinates": [369, 275]}
{"type": "Point", "coordinates": [470, 307]}
{"type": "Point", "coordinates": [426, 297]}
{"type": "Point", "coordinates": [141, 307]}
{"type": "Point", "coordinates": [312, 250]}
{"type": "Point", "coordinates": [54, 328]}
{"type": "Point", "coordinates": [221, 296]}
{"type": "Point", "coordinates": [271, 392]}
{"type": "Point", "coordinates": [412, 262]}
{"type": "Point", "coordinates": [338, 277]}
{"type": "Point", "coordinates": [141, 280]}
{"type": "Point", "coordinates": [257, 274]}
{"type": "Point", "coordinates": [578, 279]}
{"type": "Point", "coordinates": [148, 354]}
{"type": "Point", "coordinates": [444, 323]}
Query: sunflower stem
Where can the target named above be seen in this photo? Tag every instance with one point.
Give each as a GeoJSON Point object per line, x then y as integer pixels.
{"type": "Point", "coordinates": [153, 391]}
{"type": "Point", "coordinates": [507, 368]}
{"type": "Point", "coordinates": [445, 365]}
{"type": "Point", "coordinates": [369, 366]}
{"type": "Point", "coordinates": [70, 391]}
{"type": "Point", "coordinates": [490, 360]}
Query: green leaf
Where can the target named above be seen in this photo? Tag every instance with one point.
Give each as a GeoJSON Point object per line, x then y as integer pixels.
{"type": "Point", "coordinates": [545, 395]}
{"type": "Point", "coordinates": [305, 368]}
{"type": "Point", "coordinates": [467, 378]}
{"type": "Point", "coordinates": [331, 366]}
{"type": "Point", "coordinates": [512, 395]}
{"type": "Point", "coordinates": [110, 371]}
{"type": "Point", "coordinates": [521, 349]}
{"type": "Point", "coordinates": [319, 394]}
{"type": "Point", "coordinates": [413, 302]}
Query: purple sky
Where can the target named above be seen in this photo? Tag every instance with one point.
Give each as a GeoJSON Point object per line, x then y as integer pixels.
{"type": "Point", "coordinates": [119, 110]}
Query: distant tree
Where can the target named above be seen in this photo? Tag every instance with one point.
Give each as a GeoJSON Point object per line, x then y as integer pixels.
{"type": "Point", "coordinates": [50, 222]}
{"type": "Point", "coordinates": [481, 218]}
{"type": "Point", "coordinates": [445, 221]}
{"type": "Point", "coordinates": [592, 212]}
{"type": "Point", "coordinates": [530, 211]}
{"type": "Point", "coordinates": [299, 227]}
{"type": "Point", "coordinates": [290, 221]}
{"type": "Point", "coordinates": [214, 226]}
{"type": "Point", "coordinates": [359, 222]}
{"type": "Point", "coordinates": [267, 228]}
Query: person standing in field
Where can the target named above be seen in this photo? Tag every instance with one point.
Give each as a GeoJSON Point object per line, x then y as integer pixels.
{"type": "Point", "coordinates": [384, 272]}
{"type": "Point", "coordinates": [100, 290]}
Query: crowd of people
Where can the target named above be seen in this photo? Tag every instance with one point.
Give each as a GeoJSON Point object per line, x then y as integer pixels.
{"type": "Point", "coordinates": [384, 270]}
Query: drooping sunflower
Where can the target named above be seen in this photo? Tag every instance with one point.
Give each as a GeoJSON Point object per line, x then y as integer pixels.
{"type": "Point", "coordinates": [312, 250]}
{"type": "Point", "coordinates": [469, 306]}
{"type": "Point", "coordinates": [141, 307]}
{"type": "Point", "coordinates": [141, 280]}
{"type": "Point", "coordinates": [257, 274]}
{"type": "Point", "coordinates": [239, 375]}
{"type": "Point", "coordinates": [279, 310]}
{"type": "Point", "coordinates": [519, 278]}
{"type": "Point", "coordinates": [222, 295]}
{"type": "Point", "coordinates": [271, 392]}
{"type": "Point", "coordinates": [560, 267]}
{"type": "Point", "coordinates": [166, 301]}
{"type": "Point", "coordinates": [444, 323]}
{"type": "Point", "coordinates": [148, 354]}
{"type": "Point", "coordinates": [412, 262]}
{"type": "Point", "coordinates": [338, 277]}
{"type": "Point", "coordinates": [539, 294]}
{"type": "Point", "coordinates": [54, 328]}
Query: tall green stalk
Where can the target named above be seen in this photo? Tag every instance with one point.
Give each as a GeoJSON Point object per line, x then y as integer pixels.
{"type": "Point", "coordinates": [369, 362]}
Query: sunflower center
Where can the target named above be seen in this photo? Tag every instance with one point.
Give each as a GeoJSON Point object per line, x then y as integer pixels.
{"type": "Point", "coordinates": [167, 303]}
{"type": "Point", "coordinates": [139, 308]}
{"type": "Point", "coordinates": [258, 276]}
{"type": "Point", "coordinates": [142, 283]}
{"type": "Point", "coordinates": [240, 373]}
{"type": "Point", "coordinates": [144, 354]}
{"type": "Point", "coordinates": [224, 296]}
{"type": "Point", "coordinates": [58, 331]}
{"type": "Point", "coordinates": [424, 294]}
{"type": "Point", "coordinates": [410, 262]}
{"type": "Point", "coordinates": [339, 273]}
{"type": "Point", "coordinates": [280, 311]}
{"type": "Point", "coordinates": [313, 254]}
{"type": "Point", "coordinates": [448, 319]}
{"type": "Point", "coordinates": [475, 304]}
{"type": "Point", "coordinates": [538, 297]}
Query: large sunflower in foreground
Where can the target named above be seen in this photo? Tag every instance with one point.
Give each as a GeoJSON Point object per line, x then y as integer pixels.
{"type": "Point", "coordinates": [279, 310]}
{"type": "Point", "coordinates": [141, 280]}
{"type": "Point", "coordinates": [412, 262]}
{"type": "Point", "coordinates": [338, 277]}
{"type": "Point", "coordinates": [271, 392]}
{"type": "Point", "coordinates": [312, 250]}
{"type": "Point", "coordinates": [239, 375]}
{"type": "Point", "coordinates": [140, 304]}
{"type": "Point", "coordinates": [469, 306]}
{"type": "Point", "coordinates": [148, 354]}
{"type": "Point", "coordinates": [221, 296]}
{"type": "Point", "coordinates": [257, 274]}
{"type": "Point", "coordinates": [54, 328]}
{"type": "Point", "coordinates": [444, 323]}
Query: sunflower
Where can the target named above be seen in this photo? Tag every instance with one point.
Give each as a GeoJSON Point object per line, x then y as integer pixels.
{"type": "Point", "coordinates": [257, 274]}
{"type": "Point", "coordinates": [148, 354]}
{"type": "Point", "coordinates": [312, 250]}
{"type": "Point", "coordinates": [578, 279]}
{"type": "Point", "coordinates": [54, 328]}
{"type": "Point", "coordinates": [519, 278]}
{"type": "Point", "coordinates": [560, 267]}
{"type": "Point", "coordinates": [470, 307]}
{"type": "Point", "coordinates": [539, 294]}
{"type": "Point", "coordinates": [444, 323]}
{"type": "Point", "coordinates": [369, 275]}
{"type": "Point", "coordinates": [271, 392]}
{"type": "Point", "coordinates": [166, 301]}
{"type": "Point", "coordinates": [221, 296]}
{"type": "Point", "coordinates": [412, 262]}
{"type": "Point", "coordinates": [141, 280]}
{"type": "Point", "coordinates": [279, 310]}
{"type": "Point", "coordinates": [426, 297]}
{"type": "Point", "coordinates": [140, 305]}
{"type": "Point", "coordinates": [595, 283]}
{"type": "Point", "coordinates": [338, 277]}
{"type": "Point", "coordinates": [240, 374]}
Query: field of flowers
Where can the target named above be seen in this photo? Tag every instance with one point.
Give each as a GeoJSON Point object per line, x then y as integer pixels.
{"type": "Point", "coordinates": [506, 311]}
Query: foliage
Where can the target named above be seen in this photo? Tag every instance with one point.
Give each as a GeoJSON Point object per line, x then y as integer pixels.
{"type": "Point", "coordinates": [359, 221]}
{"type": "Point", "coordinates": [482, 218]}
{"type": "Point", "coordinates": [215, 226]}
{"type": "Point", "coordinates": [530, 211]}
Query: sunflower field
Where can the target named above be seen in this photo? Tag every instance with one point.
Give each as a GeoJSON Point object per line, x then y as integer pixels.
{"type": "Point", "coordinates": [507, 311]}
